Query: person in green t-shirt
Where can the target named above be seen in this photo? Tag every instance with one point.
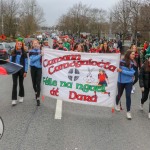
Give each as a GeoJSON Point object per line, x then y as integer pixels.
{"type": "Point", "coordinates": [66, 44]}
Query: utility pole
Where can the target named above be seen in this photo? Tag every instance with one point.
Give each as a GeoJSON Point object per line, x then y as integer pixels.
{"type": "Point", "coordinates": [2, 17]}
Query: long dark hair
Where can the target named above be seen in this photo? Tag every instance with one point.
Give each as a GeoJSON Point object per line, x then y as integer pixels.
{"type": "Point", "coordinates": [14, 51]}
{"type": "Point", "coordinates": [75, 46]}
{"type": "Point", "coordinates": [127, 58]}
{"type": "Point", "coordinates": [103, 49]}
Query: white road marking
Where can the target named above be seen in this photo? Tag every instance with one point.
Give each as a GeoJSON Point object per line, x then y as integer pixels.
{"type": "Point", "coordinates": [58, 112]}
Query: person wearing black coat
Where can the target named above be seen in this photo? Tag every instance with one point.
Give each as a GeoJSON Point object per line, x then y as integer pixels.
{"type": "Point", "coordinates": [144, 82]}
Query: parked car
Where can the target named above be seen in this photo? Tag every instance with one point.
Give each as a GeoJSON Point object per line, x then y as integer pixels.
{"type": "Point", "coordinates": [3, 51]}
{"type": "Point", "coordinates": [12, 45]}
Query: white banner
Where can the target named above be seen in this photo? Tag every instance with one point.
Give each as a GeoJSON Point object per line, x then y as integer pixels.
{"type": "Point", "coordinates": [87, 78]}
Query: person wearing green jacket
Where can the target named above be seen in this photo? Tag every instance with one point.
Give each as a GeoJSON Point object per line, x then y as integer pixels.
{"type": "Point", "coordinates": [66, 44]}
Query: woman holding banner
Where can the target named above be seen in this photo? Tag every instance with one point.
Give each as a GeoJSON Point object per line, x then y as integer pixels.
{"type": "Point", "coordinates": [36, 69]}
{"type": "Point", "coordinates": [125, 80]}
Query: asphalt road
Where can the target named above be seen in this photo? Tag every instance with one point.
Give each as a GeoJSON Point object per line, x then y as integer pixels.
{"type": "Point", "coordinates": [81, 127]}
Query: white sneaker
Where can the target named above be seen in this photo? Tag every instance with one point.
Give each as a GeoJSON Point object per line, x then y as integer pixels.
{"type": "Point", "coordinates": [14, 102]}
{"type": "Point", "coordinates": [133, 88]}
{"type": "Point", "coordinates": [149, 115]}
{"type": "Point", "coordinates": [132, 91]}
{"type": "Point", "coordinates": [141, 107]}
{"type": "Point", "coordinates": [117, 108]}
{"type": "Point", "coordinates": [21, 99]}
{"type": "Point", "coordinates": [129, 117]}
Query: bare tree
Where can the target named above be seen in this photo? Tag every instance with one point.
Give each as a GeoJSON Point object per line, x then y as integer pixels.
{"type": "Point", "coordinates": [82, 18]}
{"type": "Point", "coordinates": [121, 16]}
{"type": "Point", "coordinates": [31, 16]}
{"type": "Point", "coordinates": [97, 20]}
{"type": "Point", "coordinates": [10, 10]}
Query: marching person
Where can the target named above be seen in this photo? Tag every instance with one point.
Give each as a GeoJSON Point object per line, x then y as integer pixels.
{"type": "Point", "coordinates": [136, 66]}
{"type": "Point", "coordinates": [36, 69]}
{"type": "Point", "coordinates": [19, 56]}
{"type": "Point", "coordinates": [144, 81]}
{"type": "Point", "coordinates": [125, 80]}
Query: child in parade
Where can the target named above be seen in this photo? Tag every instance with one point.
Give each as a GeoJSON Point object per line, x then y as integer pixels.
{"type": "Point", "coordinates": [136, 66]}
{"type": "Point", "coordinates": [36, 69]}
{"type": "Point", "coordinates": [144, 81]}
{"type": "Point", "coordinates": [19, 56]}
{"type": "Point", "coordinates": [125, 80]}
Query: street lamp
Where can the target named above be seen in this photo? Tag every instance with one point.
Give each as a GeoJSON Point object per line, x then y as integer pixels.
{"type": "Point", "coordinates": [2, 17]}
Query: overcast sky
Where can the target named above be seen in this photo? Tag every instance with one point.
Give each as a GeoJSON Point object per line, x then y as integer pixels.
{"type": "Point", "coordinates": [53, 9]}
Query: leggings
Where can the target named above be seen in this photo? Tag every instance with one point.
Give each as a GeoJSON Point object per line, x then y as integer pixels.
{"type": "Point", "coordinates": [36, 75]}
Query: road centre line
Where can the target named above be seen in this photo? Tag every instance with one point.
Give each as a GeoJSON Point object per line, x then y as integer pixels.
{"type": "Point", "coordinates": [58, 111]}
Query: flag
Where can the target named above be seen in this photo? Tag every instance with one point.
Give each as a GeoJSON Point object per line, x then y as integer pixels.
{"type": "Point", "coordinates": [7, 68]}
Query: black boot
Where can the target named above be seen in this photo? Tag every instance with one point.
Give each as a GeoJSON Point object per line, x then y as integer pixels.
{"type": "Point", "coordinates": [38, 102]}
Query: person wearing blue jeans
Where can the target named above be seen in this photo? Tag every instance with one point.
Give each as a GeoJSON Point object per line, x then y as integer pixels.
{"type": "Point", "coordinates": [128, 88]}
{"type": "Point", "coordinates": [125, 80]}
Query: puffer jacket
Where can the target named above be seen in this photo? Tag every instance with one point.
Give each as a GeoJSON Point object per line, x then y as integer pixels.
{"type": "Point", "coordinates": [144, 78]}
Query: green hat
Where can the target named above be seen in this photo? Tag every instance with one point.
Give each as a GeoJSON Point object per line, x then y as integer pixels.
{"type": "Point", "coordinates": [20, 39]}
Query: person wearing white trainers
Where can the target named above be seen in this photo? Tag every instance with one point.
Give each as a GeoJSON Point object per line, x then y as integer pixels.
{"type": "Point", "coordinates": [117, 108]}
{"type": "Point", "coordinates": [35, 56]}
{"type": "Point", "coordinates": [19, 56]}
{"type": "Point", "coordinates": [14, 102]}
{"type": "Point", "coordinates": [144, 80]}
{"type": "Point", "coordinates": [21, 99]}
{"type": "Point", "coordinates": [149, 115]}
{"type": "Point", "coordinates": [129, 115]}
{"type": "Point", "coordinates": [136, 66]}
{"type": "Point", "coordinates": [125, 80]}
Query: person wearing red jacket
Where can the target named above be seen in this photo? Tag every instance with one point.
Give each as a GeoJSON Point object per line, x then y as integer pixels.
{"type": "Point", "coordinates": [145, 45]}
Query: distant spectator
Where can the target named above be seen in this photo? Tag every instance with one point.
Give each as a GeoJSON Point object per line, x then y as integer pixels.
{"type": "Point", "coordinates": [60, 46]}
{"type": "Point", "coordinates": [105, 48]}
{"type": "Point", "coordinates": [145, 45]}
{"type": "Point", "coordinates": [120, 45]}
{"type": "Point", "coordinates": [78, 47]}
{"type": "Point", "coordinates": [66, 44]}
{"type": "Point", "coordinates": [45, 44]}
{"type": "Point", "coordinates": [55, 44]}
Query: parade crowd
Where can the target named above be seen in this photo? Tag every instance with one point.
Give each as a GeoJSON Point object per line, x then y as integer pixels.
{"type": "Point", "coordinates": [134, 66]}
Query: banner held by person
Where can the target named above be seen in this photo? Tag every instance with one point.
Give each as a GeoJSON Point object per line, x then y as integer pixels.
{"type": "Point", "coordinates": [80, 77]}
